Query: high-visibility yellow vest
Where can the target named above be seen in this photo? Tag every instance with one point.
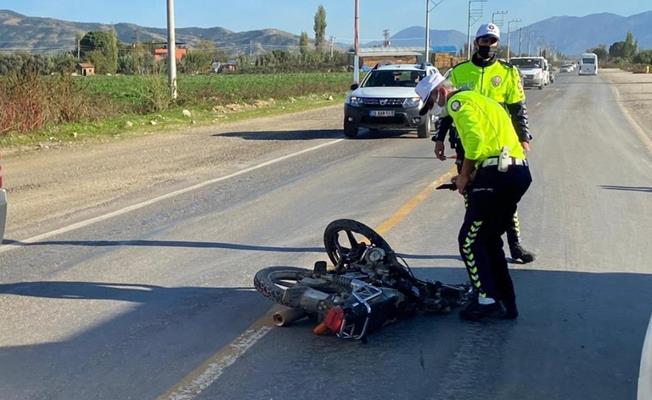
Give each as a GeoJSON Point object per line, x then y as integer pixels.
{"type": "Point", "coordinates": [500, 81]}
{"type": "Point", "coordinates": [483, 125]}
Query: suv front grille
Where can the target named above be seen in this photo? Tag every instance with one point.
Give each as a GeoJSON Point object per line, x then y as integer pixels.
{"type": "Point", "coordinates": [383, 102]}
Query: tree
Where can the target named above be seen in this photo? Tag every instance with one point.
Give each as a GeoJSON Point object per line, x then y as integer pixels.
{"type": "Point", "coordinates": [643, 57]}
{"type": "Point", "coordinates": [600, 51]}
{"type": "Point", "coordinates": [320, 28]}
{"type": "Point", "coordinates": [64, 63]}
{"type": "Point", "coordinates": [626, 49]}
{"type": "Point", "coordinates": [101, 48]}
{"type": "Point", "coordinates": [617, 50]}
{"type": "Point", "coordinates": [631, 46]}
{"type": "Point", "coordinates": [303, 42]}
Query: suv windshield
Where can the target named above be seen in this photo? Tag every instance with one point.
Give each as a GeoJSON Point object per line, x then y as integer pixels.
{"type": "Point", "coordinates": [526, 62]}
{"type": "Point", "coordinates": [397, 78]}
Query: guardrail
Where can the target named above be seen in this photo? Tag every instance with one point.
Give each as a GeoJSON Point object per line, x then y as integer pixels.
{"type": "Point", "coordinates": [3, 205]}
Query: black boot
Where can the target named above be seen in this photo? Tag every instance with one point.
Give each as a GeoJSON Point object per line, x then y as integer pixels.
{"type": "Point", "coordinates": [476, 311]}
{"type": "Point", "coordinates": [510, 312]}
{"type": "Point", "coordinates": [520, 254]}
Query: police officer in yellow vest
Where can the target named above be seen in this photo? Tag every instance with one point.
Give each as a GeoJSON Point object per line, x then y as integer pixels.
{"type": "Point", "coordinates": [494, 176]}
{"type": "Point", "coordinates": [501, 81]}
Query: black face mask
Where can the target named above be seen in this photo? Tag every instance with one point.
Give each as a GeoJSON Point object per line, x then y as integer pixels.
{"type": "Point", "coordinates": [486, 51]}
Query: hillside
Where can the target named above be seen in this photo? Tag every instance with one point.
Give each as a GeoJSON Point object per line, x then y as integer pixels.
{"type": "Point", "coordinates": [570, 35]}
{"type": "Point", "coordinates": [34, 34]}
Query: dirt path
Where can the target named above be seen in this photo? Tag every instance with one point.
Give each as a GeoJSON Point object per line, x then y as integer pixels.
{"type": "Point", "coordinates": [53, 187]}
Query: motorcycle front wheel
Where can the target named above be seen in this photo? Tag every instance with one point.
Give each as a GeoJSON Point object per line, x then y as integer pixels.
{"type": "Point", "coordinates": [347, 240]}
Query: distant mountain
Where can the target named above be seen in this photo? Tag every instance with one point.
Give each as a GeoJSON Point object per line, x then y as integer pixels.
{"type": "Point", "coordinates": [570, 35]}
{"type": "Point", "coordinates": [19, 32]}
{"type": "Point", "coordinates": [573, 35]}
{"type": "Point", "coordinates": [414, 36]}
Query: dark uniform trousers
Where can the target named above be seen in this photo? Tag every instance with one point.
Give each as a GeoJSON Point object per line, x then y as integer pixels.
{"type": "Point", "coordinates": [492, 200]}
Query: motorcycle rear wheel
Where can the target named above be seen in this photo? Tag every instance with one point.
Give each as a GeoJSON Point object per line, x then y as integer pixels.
{"type": "Point", "coordinates": [272, 282]}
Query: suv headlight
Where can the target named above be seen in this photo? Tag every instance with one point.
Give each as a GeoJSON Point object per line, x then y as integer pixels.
{"type": "Point", "coordinates": [412, 102]}
{"type": "Point", "coordinates": [354, 101]}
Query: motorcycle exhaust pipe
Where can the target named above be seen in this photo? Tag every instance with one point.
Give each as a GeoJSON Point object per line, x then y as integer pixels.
{"type": "Point", "coordinates": [286, 316]}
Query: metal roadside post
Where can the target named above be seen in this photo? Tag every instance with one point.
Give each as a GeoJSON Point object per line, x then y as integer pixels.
{"type": "Point", "coordinates": [3, 206]}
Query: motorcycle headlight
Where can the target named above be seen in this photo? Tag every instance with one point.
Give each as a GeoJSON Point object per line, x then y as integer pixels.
{"type": "Point", "coordinates": [354, 101]}
{"type": "Point", "coordinates": [412, 102]}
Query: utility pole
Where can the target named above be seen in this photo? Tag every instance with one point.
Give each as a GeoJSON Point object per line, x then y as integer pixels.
{"type": "Point", "coordinates": [500, 21]}
{"type": "Point", "coordinates": [332, 45]}
{"type": "Point", "coordinates": [529, 41]}
{"type": "Point", "coordinates": [474, 15]}
{"type": "Point", "coordinates": [78, 49]}
{"type": "Point", "coordinates": [356, 43]}
{"type": "Point", "coordinates": [172, 51]}
{"type": "Point", "coordinates": [426, 52]}
{"type": "Point", "coordinates": [509, 34]}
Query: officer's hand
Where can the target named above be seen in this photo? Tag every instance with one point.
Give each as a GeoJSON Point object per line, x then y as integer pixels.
{"type": "Point", "coordinates": [439, 150]}
{"type": "Point", "coordinates": [526, 146]}
{"type": "Point", "coordinates": [461, 181]}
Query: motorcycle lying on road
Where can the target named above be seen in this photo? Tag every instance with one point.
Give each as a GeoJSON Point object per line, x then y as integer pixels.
{"type": "Point", "coordinates": [367, 287]}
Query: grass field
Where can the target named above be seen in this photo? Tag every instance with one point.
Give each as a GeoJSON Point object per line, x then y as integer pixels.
{"type": "Point", "coordinates": [218, 89]}
{"type": "Point", "coordinates": [122, 105]}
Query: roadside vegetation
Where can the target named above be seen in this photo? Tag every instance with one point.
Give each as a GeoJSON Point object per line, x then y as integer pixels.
{"type": "Point", "coordinates": [43, 101]}
{"type": "Point", "coordinates": [62, 107]}
{"type": "Point", "coordinates": [625, 55]}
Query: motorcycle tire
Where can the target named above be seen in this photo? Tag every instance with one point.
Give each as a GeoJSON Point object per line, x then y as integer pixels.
{"type": "Point", "coordinates": [331, 239]}
{"type": "Point", "coordinates": [272, 282]}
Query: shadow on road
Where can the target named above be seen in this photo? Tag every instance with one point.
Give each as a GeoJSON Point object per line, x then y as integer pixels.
{"type": "Point", "coordinates": [644, 189]}
{"type": "Point", "coordinates": [579, 336]}
{"type": "Point", "coordinates": [286, 135]}
{"type": "Point", "coordinates": [317, 134]}
{"type": "Point", "coordinates": [167, 243]}
{"type": "Point", "coordinates": [201, 245]}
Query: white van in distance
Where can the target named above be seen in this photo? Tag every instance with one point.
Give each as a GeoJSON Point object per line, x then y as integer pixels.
{"type": "Point", "coordinates": [535, 70]}
{"type": "Point", "coordinates": [588, 64]}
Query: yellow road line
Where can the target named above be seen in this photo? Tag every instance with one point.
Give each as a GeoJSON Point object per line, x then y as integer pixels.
{"type": "Point", "coordinates": [407, 208]}
{"type": "Point", "coordinates": [210, 370]}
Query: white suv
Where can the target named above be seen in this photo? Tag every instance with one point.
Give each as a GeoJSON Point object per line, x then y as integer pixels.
{"type": "Point", "coordinates": [386, 99]}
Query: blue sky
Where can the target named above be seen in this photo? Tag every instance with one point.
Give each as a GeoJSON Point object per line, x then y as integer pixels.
{"type": "Point", "coordinates": [296, 15]}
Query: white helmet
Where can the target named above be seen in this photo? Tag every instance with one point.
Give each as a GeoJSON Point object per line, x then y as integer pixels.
{"type": "Point", "coordinates": [489, 29]}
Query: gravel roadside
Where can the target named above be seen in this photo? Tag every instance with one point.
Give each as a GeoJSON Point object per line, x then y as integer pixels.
{"type": "Point", "coordinates": [634, 95]}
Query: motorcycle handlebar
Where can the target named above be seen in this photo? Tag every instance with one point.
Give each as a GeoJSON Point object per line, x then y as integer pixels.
{"type": "Point", "coordinates": [449, 186]}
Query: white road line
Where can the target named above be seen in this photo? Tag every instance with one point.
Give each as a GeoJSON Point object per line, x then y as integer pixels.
{"type": "Point", "coordinates": [91, 221]}
{"type": "Point", "coordinates": [645, 373]}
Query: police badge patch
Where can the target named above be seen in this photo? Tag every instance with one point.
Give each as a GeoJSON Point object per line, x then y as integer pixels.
{"type": "Point", "coordinates": [455, 106]}
{"type": "Point", "coordinates": [496, 80]}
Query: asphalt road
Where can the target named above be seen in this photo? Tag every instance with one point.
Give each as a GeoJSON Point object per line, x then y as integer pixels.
{"type": "Point", "coordinates": [129, 307]}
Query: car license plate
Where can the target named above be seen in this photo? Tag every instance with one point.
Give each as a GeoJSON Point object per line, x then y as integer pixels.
{"type": "Point", "coordinates": [381, 113]}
